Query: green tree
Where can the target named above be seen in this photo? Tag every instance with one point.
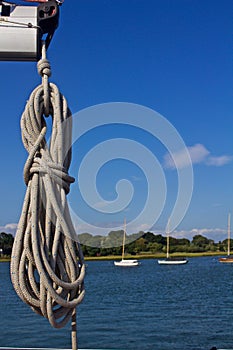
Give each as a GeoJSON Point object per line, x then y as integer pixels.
{"type": "Point", "coordinates": [200, 241]}
{"type": "Point", "coordinates": [6, 242]}
{"type": "Point", "coordinates": [160, 239]}
{"type": "Point", "coordinates": [114, 239]}
{"type": "Point", "coordinates": [155, 247]}
{"type": "Point", "coordinates": [140, 245]}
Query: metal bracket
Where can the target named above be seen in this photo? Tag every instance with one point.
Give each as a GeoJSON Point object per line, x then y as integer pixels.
{"type": "Point", "coordinates": [22, 29]}
{"type": "Point", "coordinates": [48, 19]}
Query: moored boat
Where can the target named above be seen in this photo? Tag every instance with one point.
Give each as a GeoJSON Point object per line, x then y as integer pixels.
{"type": "Point", "coordinates": [126, 262]}
{"type": "Point", "coordinates": [171, 260]}
{"type": "Point", "coordinates": [229, 258]}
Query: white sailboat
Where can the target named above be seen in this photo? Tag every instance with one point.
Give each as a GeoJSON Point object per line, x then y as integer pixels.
{"type": "Point", "coordinates": [228, 259]}
{"type": "Point", "coordinates": [171, 260]}
{"type": "Point", "coordinates": [125, 262]}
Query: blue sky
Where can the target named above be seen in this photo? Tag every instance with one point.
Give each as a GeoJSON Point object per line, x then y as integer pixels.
{"type": "Point", "coordinates": [174, 57]}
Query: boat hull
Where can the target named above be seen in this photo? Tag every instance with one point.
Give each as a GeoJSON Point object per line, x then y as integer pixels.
{"type": "Point", "coordinates": [172, 261]}
{"type": "Point", "coordinates": [127, 263]}
{"type": "Point", "coordinates": [226, 260]}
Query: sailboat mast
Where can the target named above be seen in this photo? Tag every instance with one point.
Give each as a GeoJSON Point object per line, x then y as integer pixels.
{"type": "Point", "coordinates": [229, 235]}
{"type": "Point", "coordinates": [168, 225]}
{"type": "Point", "coordinates": [167, 245]}
{"type": "Point", "coordinates": [123, 247]}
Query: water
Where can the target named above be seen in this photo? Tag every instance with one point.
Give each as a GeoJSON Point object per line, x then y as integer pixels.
{"type": "Point", "coordinates": [141, 308]}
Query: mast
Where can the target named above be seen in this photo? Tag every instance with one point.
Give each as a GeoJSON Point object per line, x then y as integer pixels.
{"type": "Point", "coordinates": [229, 235]}
{"type": "Point", "coordinates": [123, 247]}
{"type": "Point", "coordinates": [167, 229]}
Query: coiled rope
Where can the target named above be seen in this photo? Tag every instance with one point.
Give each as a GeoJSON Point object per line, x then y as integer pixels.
{"type": "Point", "coordinates": [47, 265]}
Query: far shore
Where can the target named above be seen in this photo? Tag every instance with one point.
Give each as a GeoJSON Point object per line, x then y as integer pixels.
{"type": "Point", "coordinates": [143, 256]}
{"type": "Point", "coordinates": [154, 256]}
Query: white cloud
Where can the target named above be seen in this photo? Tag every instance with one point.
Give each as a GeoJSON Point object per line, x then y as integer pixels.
{"type": "Point", "coordinates": [198, 154]}
{"type": "Point", "coordinates": [217, 234]}
{"type": "Point", "coordinates": [143, 227]}
{"type": "Point", "coordinates": [110, 226]}
{"type": "Point", "coordinates": [180, 159]}
{"type": "Point", "coordinates": [219, 161]}
{"type": "Point", "coordinates": [9, 228]}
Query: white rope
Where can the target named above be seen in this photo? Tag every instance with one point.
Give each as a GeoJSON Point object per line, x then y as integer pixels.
{"type": "Point", "coordinates": [47, 265]}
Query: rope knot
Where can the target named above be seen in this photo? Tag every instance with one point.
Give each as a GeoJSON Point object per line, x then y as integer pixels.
{"type": "Point", "coordinates": [56, 172]}
{"type": "Point", "coordinates": [43, 67]}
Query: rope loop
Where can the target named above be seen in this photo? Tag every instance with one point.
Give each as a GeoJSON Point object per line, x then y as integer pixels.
{"type": "Point", "coordinates": [47, 265]}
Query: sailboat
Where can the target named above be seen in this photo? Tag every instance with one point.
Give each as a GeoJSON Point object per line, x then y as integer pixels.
{"type": "Point", "coordinates": [229, 258]}
{"type": "Point", "coordinates": [171, 260]}
{"type": "Point", "coordinates": [125, 262]}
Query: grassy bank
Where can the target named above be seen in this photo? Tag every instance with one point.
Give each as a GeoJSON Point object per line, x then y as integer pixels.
{"type": "Point", "coordinates": [154, 256]}
{"type": "Point", "coordinates": [5, 259]}
{"type": "Point", "coordinates": [144, 256]}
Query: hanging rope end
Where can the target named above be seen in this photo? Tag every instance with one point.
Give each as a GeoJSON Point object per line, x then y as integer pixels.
{"type": "Point", "coordinates": [74, 330]}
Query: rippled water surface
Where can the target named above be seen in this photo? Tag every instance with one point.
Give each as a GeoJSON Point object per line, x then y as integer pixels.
{"type": "Point", "coordinates": [146, 307]}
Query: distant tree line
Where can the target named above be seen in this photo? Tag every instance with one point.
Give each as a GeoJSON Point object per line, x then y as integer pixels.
{"type": "Point", "coordinates": [137, 243]}
{"type": "Point", "coordinates": [148, 243]}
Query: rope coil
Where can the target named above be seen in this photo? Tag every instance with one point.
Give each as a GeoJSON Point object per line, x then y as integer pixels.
{"type": "Point", "coordinates": [47, 265]}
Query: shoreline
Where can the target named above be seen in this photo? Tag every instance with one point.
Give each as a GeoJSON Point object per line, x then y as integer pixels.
{"type": "Point", "coordinates": [143, 256]}
{"type": "Point", "coordinates": [154, 256]}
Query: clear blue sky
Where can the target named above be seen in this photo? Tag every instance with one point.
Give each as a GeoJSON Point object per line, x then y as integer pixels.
{"type": "Point", "coordinates": [173, 56]}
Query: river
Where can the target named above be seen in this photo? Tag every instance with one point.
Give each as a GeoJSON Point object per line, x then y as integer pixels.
{"type": "Point", "coordinates": [141, 308]}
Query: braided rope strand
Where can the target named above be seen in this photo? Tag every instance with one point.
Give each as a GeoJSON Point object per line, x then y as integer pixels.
{"type": "Point", "coordinates": [47, 265]}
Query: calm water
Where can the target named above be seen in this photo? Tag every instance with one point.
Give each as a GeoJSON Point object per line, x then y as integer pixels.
{"type": "Point", "coordinates": [146, 307]}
